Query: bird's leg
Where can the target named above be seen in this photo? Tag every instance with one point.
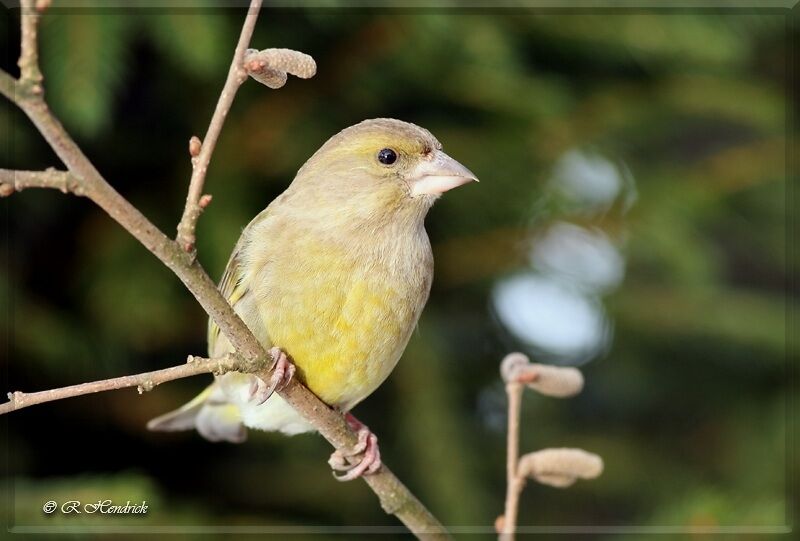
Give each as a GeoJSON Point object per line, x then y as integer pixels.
{"type": "Point", "coordinates": [283, 372]}
{"type": "Point", "coordinates": [364, 458]}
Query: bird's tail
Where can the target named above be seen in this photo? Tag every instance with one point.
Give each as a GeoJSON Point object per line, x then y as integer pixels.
{"type": "Point", "coordinates": [210, 413]}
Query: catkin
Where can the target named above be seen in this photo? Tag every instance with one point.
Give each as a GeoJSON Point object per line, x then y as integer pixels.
{"type": "Point", "coordinates": [271, 66]}
{"type": "Point", "coordinates": [560, 467]}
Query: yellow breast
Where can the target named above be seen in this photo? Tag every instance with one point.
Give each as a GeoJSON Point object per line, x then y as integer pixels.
{"type": "Point", "coordinates": [344, 317]}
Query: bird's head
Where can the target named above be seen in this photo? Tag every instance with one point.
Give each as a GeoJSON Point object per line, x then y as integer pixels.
{"type": "Point", "coordinates": [381, 166]}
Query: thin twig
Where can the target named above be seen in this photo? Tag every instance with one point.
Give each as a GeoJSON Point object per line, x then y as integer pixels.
{"type": "Point", "coordinates": [555, 467]}
{"type": "Point", "coordinates": [394, 496]}
{"type": "Point", "coordinates": [145, 382]}
{"type": "Point", "coordinates": [236, 76]}
{"type": "Point", "coordinates": [15, 181]}
{"type": "Point", "coordinates": [30, 74]}
{"type": "Point", "coordinates": [514, 483]}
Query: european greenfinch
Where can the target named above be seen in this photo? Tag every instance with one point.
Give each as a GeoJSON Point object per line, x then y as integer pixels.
{"type": "Point", "coordinates": [335, 273]}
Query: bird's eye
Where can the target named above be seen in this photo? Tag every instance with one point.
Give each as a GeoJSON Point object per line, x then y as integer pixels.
{"type": "Point", "coordinates": [387, 156]}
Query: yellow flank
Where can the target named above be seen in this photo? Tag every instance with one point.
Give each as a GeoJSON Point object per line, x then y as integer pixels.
{"type": "Point", "coordinates": [344, 328]}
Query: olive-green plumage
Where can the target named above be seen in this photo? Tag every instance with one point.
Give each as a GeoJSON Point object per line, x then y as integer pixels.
{"type": "Point", "coordinates": [335, 271]}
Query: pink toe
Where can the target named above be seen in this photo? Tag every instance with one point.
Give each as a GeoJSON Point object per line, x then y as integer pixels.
{"type": "Point", "coordinates": [370, 461]}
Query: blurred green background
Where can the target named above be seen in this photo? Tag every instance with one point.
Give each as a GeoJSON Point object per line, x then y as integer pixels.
{"type": "Point", "coordinates": [631, 218]}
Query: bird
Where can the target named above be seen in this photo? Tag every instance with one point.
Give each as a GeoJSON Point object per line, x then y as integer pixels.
{"type": "Point", "coordinates": [332, 278]}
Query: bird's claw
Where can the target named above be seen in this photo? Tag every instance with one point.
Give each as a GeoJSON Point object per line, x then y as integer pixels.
{"type": "Point", "coordinates": [363, 458]}
{"type": "Point", "coordinates": [283, 372]}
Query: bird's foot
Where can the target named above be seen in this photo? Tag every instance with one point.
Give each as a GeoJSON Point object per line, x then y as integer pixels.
{"type": "Point", "coordinates": [364, 458]}
{"type": "Point", "coordinates": [282, 373]}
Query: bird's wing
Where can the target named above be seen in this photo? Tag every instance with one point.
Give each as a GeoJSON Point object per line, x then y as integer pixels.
{"type": "Point", "coordinates": [232, 289]}
{"type": "Point", "coordinates": [235, 287]}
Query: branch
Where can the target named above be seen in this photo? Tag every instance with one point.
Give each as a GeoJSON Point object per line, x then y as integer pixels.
{"type": "Point", "coordinates": [554, 467]}
{"type": "Point", "coordinates": [236, 76]}
{"type": "Point", "coordinates": [145, 382]}
{"type": "Point", "coordinates": [8, 85]}
{"type": "Point", "coordinates": [394, 497]}
{"type": "Point", "coordinates": [15, 181]}
{"type": "Point", "coordinates": [514, 484]}
{"type": "Point", "coordinates": [28, 63]}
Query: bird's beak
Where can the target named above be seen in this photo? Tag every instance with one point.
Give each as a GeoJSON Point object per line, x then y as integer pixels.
{"type": "Point", "coordinates": [439, 173]}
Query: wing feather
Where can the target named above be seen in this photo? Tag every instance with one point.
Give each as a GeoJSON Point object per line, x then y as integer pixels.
{"type": "Point", "coordinates": [233, 284]}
